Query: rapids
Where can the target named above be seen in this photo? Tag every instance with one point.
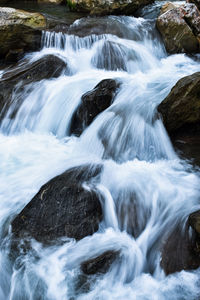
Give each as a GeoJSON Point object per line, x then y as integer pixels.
{"type": "Point", "coordinates": [129, 139]}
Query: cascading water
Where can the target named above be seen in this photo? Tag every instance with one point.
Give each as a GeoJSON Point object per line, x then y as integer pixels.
{"type": "Point", "coordinates": [142, 175]}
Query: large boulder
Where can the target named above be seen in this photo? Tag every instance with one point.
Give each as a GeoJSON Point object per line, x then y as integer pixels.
{"type": "Point", "coordinates": [63, 207]}
{"type": "Point", "coordinates": [93, 103]}
{"type": "Point", "coordinates": [15, 79]}
{"type": "Point", "coordinates": [104, 25]}
{"type": "Point", "coordinates": [180, 110]}
{"type": "Point", "coordinates": [181, 250]}
{"type": "Point", "coordinates": [179, 26]}
{"type": "Point", "coordinates": [105, 7]}
{"type": "Point", "coordinates": [20, 30]}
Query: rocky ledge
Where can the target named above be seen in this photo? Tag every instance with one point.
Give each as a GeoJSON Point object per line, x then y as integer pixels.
{"type": "Point", "coordinates": [20, 30]}
{"type": "Point", "coordinates": [106, 7]}
{"type": "Point", "coordinates": [180, 110]}
{"type": "Point", "coordinates": [179, 26]}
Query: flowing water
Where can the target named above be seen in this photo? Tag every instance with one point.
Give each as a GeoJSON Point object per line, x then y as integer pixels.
{"type": "Point", "coordinates": [138, 159]}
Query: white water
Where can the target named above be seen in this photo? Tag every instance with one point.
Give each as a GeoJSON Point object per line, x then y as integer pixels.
{"type": "Point", "coordinates": [138, 160]}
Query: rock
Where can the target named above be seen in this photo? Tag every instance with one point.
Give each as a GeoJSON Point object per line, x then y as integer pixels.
{"type": "Point", "coordinates": [192, 17]}
{"type": "Point", "coordinates": [111, 56]}
{"type": "Point", "coordinates": [180, 110]}
{"type": "Point", "coordinates": [180, 28]}
{"type": "Point", "coordinates": [14, 55]}
{"type": "Point", "coordinates": [187, 145]}
{"type": "Point", "coordinates": [100, 264]}
{"type": "Point", "coordinates": [194, 221]}
{"type": "Point", "coordinates": [99, 7]}
{"type": "Point", "coordinates": [101, 25]}
{"type": "Point", "coordinates": [196, 2]}
{"type": "Point", "coordinates": [62, 208]}
{"type": "Point", "coordinates": [181, 250]}
{"type": "Point", "coordinates": [51, 1]}
{"type": "Point", "coordinates": [19, 76]}
{"type": "Point", "coordinates": [93, 103]}
{"type": "Point", "coordinates": [20, 30]}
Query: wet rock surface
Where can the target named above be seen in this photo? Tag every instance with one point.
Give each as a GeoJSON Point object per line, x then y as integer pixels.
{"type": "Point", "coordinates": [62, 208]}
{"type": "Point", "coordinates": [179, 26]}
{"type": "Point", "coordinates": [180, 110]}
{"type": "Point", "coordinates": [111, 57]}
{"type": "Point", "coordinates": [93, 103]}
{"type": "Point", "coordinates": [181, 250]}
{"type": "Point", "coordinates": [15, 79]}
{"type": "Point", "coordinates": [102, 25]}
{"type": "Point", "coordinates": [100, 264]}
{"type": "Point", "coordinates": [188, 148]}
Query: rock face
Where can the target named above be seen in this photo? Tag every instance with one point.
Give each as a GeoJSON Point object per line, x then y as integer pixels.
{"type": "Point", "coordinates": [16, 78]}
{"type": "Point", "coordinates": [20, 30]}
{"type": "Point", "coordinates": [62, 208]}
{"type": "Point", "coordinates": [100, 264]}
{"type": "Point", "coordinates": [99, 7]}
{"type": "Point", "coordinates": [181, 250]}
{"type": "Point", "coordinates": [180, 110]}
{"type": "Point", "coordinates": [180, 28]}
{"type": "Point", "coordinates": [93, 103]}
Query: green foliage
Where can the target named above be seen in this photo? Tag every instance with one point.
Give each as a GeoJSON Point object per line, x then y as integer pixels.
{"type": "Point", "coordinates": [71, 4]}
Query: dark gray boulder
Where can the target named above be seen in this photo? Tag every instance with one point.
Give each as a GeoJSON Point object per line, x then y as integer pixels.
{"type": "Point", "coordinates": [181, 250]}
{"type": "Point", "coordinates": [62, 208]}
{"type": "Point", "coordinates": [99, 264]}
{"type": "Point", "coordinates": [93, 103]}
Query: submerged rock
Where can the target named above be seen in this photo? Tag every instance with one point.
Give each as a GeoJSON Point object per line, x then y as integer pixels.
{"type": "Point", "coordinates": [99, 7]}
{"type": "Point", "coordinates": [180, 110]}
{"type": "Point", "coordinates": [20, 30]}
{"type": "Point", "coordinates": [181, 250]}
{"type": "Point", "coordinates": [62, 208]}
{"type": "Point", "coordinates": [100, 264]}
{"type": "Point", "coordinates": [111, 56]}
{"type": "Point", "coordinates": [16, 78]}
{"type": "Point", "coordinates": [93, 103]}
{"type": "Point", "coordinates": [180, 27]}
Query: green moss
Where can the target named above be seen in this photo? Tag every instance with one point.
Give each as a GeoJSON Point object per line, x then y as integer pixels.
{"type": "Point", "coordinates": [71, 4]}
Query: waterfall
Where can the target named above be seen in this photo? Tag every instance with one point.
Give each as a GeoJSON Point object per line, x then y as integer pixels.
{"type": "Point", "coordinates": [146, 187]}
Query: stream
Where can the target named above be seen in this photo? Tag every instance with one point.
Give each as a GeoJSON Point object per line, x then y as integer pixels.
{"type": "Point", "coordinates": [129, 140]}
